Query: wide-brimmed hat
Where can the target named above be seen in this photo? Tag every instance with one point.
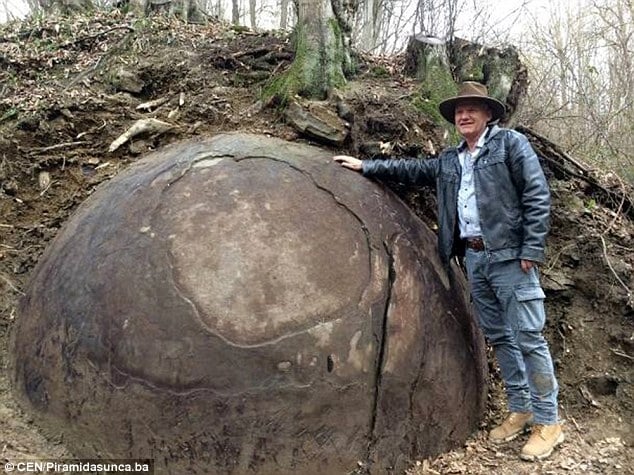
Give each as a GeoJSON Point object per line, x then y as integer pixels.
{"type": "Point", "coordinates": [470, 90]}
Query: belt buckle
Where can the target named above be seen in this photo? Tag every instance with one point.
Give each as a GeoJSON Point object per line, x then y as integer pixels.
{"type": "Point", "coordinates": [477, 244]}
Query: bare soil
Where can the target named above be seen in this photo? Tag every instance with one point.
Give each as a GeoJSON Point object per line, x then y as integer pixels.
{"type": "Point", "coordinates": [70, 87]}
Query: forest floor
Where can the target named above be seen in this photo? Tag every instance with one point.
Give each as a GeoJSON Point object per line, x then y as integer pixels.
{"type": "Point", "coordinates": [70, 87]}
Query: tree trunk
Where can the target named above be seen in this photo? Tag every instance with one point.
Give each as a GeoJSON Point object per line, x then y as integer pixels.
{"type": "Point", "coordinates": [322, 49]}
{"type": "Point", "coordinates": [252, 14]}
{"type": "Point", "coordinates": [372, 10]}
{"type": "Point", "coordinates": [65, 6]}
{"type": "Point", "coordinates": [188, 10]}
{"type": "Point", "coordinates": [235, 12]}
{"type": "Point", "coordinates": [284, 14]}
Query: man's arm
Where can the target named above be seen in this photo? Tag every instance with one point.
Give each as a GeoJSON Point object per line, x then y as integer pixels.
{"type": "Point", "coordinates": [535, 198]}
{"type": "Point", "coordinates": [407, 171]}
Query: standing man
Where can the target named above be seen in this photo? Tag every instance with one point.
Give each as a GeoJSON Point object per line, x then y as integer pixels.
{"type": "Point", "coordinates": [493, 209]}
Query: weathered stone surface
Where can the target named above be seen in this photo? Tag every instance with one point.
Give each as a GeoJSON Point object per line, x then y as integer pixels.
{"type": "Point", "coordinates": [317, 122]}
{"type": "Point", "coordinates": [127, 81]}
{"type": "Point", "coordinates": [245, 305]}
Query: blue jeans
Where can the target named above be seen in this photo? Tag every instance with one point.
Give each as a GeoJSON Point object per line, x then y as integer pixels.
{"type": "Point", "coordinates": [510, 307]}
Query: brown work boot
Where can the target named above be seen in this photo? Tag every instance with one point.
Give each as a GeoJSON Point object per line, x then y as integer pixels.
{"type": "Point", "coordinates": [542, 442]}
{"type": "Point", "coordinates": [515, 424]}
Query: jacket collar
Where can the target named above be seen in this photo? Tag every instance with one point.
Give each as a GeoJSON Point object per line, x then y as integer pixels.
{"type": "Point", "coordinates": [491, 132]}
{"type": "Point", "coordinates": [490, 135]}
{"type": "Point", "coordinates": [494, 129]}
{"type": "Point", "coordinates": [481, 140]}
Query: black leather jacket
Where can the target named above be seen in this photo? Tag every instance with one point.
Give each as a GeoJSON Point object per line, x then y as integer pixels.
{"type": "Point", "coordinates": [511, 193]}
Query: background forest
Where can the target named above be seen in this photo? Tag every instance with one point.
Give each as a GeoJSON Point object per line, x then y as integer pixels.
{"type": "Point", "coordinates": [579, 54]}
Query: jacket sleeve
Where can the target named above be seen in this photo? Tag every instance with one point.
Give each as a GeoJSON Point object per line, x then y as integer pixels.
{"type": "Point", "coordinates": [407, 171]}
{"type": "Point", "coordinates": [534, 195]}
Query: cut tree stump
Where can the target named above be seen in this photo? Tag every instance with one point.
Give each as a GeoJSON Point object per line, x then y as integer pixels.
{"type": "Point", "coordinates": [439, 64]}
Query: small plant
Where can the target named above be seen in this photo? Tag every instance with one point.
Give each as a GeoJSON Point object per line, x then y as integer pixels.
{"type": "Point", "coordinates": [9, 114]}
{"type": "Point", "coordinates": [379, 71]}
{"type": "Point", "coordinates": [590, 205]}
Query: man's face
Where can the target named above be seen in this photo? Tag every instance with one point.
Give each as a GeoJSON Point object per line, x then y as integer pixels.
{"type": "Point", "coordinates": [471, 118]}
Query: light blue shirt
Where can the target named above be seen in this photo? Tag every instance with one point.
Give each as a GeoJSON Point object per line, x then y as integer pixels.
{"type": "Point", "coordinates": [468, 215]}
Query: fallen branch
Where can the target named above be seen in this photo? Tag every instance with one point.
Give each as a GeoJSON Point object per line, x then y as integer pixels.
{"type": "Point", "coordinates": [628, 292]}
{"type": "Point", "coordinates": [585, 169]}
{"type": "Point", "coordinates": [91, 131]}
{"type": "Point", "coordinates": [254, 52]}
{"type": "Point", "coordinates": [57, 146]}
{"type": "Point", "coordinates": [194, 127]}
{"type": "Point", "coordinates": [143, 126]}
{"type": "Point", "coordinates": [572, 419]}
{"type": "Point", "coordinates": [556, 257]}
{"type": "Point", "coordinates": [96, 35]}
{"type": "Point", "coordinates": [620, 208]}
{"type": "Point", "coordinates": [621, 353]}
{"type": "Point", "coordinates": [10, 284]}
{"type": "Point", "coordinates": [148, 106]}
{"type": "Point", "coordinates": [567, 166]}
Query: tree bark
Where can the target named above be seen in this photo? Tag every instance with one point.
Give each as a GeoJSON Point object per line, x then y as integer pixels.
{"type": "Point", "coordinates": [235, 12]}
{"type": "Point", "coordinates": [188, 10]}
{"type": "Point", "coordinates": [372, 17]}
{"type": "Point", "coordinates": [322, 49]}
{"type": "Point", "coordinates": [424, 54]}
{"type": "Point", "coordinates": [252, 14]}
{"type": "Point", "coordinates": [283, 14]}
{"type": "Point", "coordinates": [65, 6]}
{"type": "Point", "coordinates": [500, 69]}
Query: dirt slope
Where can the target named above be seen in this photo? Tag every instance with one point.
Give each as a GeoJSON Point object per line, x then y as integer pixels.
{"type": "Point", "coordinates": [69, 88]}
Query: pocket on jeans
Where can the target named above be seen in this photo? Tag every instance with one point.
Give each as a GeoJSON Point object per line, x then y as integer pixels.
{"type": "Point", "coordinates": [530, 314]}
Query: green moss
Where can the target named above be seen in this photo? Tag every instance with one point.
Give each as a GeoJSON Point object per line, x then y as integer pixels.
{"type": "Point", "coordinates": [572, 202]}
{"type": "Point", "coordinates": [315, 70]}
{"type": "Point", "coordinates": [142, 23]}
{"type": "Point", "coordinates": [335, 57]}
{"type": "Point", "coordinates": [435, 88]}
{"type": "Point", "coordinates": [239, 28]}
{"type": "Point", "coordinates": [9, 114]}
{"type": "Point", "coordinates": [473, 70]}
{"type": "Point", "coordinates": [289, 83]}
{"type": "Point", "coordinates": [379, 71]}
{"type": "Point", "coordinates": [590, 205]}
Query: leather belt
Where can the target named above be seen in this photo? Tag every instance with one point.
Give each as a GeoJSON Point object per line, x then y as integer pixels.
{"type": "Point", "coordinates": [475, 243]}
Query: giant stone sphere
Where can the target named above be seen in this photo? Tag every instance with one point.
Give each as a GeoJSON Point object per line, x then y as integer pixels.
{"type": "Point", "coordinates": [245, 305]}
